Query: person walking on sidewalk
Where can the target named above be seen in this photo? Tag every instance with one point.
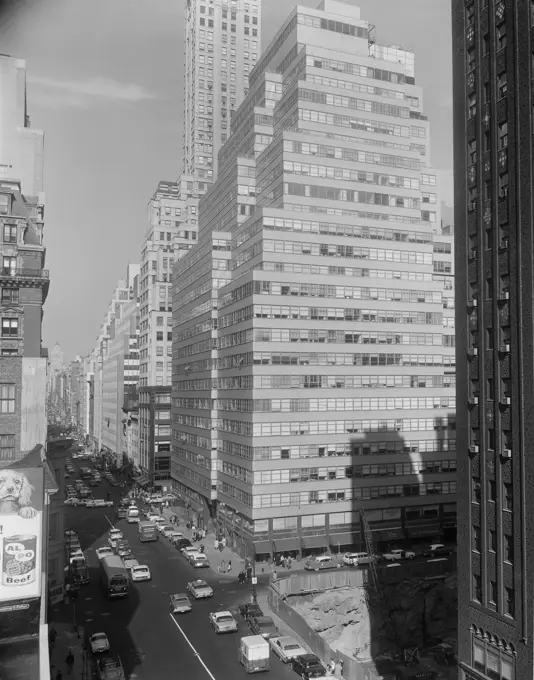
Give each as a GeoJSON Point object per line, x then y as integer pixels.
{"type": "Point", "coordinates": [229, 567]}
{"type": "Point", "coordinates": [70, 661]}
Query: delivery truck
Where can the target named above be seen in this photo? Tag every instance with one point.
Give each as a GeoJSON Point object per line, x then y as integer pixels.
{"type": "Point", "coordinates": [253, 654]}
{"type": "Point", "coordinates": [147, 531]}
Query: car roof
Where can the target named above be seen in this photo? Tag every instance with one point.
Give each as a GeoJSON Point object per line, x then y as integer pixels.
{"type": "Point", "coordinates": [100, 635]}
{"type": "Point", "coordinates": [223, 613]}
{"type": "Point", "coordinates": [264, 619]}
{"type": "Point", "coordinates": [199, 582]}
{"type": "Point", "coordinates": [179, 596]}
{"type": "Point", "coordinates": [141, 566]}
{"type": "Point", "coordinates": [287, 639]}
{"type": "Point", "coordinates": [310, 657]}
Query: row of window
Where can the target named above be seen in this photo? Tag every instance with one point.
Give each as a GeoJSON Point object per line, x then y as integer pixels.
{"type": "Point", "coordinates": [353, 122]}
{"type": "Point", "coordinates": [383, 448]}
{"type": "Point", "coordinates": [346, 174]}
{"type": "Point", "coordinates": [322, 405]}
{"type": "Point", "coordinates": [256, 382]}
{"type": "Point", "coordinates": [334, 270]}
{"type": "Point", "coordinates": [320, 336]}
{"type": "Point", "coordinates": [320, 208]}
{"type": "Point", "coordinates": [351, 472]}
{"type": "Point", "coordinates": [396, 316]}
{"type": "Point", "coordinates": [351, 196]}
{"type": "Point", "coordinates": [340, 84]}
{"type": "Point", "coordinates": [338, 250]}
{"type": "Point", "coordinates": [336, 229]}
{"type": "Point", "coordinates": [353, 155]}
{"type": "Point", "coordinates": [328, 291]}
{"type": "Point", "coordinates": [306, 428]}
{"type": "Point", "coordinates": [343, 495]}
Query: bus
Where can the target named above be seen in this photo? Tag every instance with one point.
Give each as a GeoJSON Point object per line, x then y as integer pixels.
{"type": "Point", "coordinates": [114, 577]}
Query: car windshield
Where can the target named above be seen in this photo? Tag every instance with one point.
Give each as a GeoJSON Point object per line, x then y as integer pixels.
{"type": "Point", "coordinates": [265, 624]}
{"type": "Point", "coordinates": [225, 618]}
{"type": "Point", "coordinates": [99, 636]}
{"type": "Point", "coordinates": [291, 646]}
{"type": "Point", "coordinates": [140, 569]}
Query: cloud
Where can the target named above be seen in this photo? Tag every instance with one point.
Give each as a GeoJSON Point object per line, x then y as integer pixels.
{"type": "Point", "coordinates": [84, 93]}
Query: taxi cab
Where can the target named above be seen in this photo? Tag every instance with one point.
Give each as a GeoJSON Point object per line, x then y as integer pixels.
{"type": "Point", "coordinates": [200, 589]}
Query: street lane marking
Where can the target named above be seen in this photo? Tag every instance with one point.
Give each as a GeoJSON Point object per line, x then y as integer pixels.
{"type": "Point", "coordinates": [190, 644]}
{"type": "Point", "coordinates": [110, 523]}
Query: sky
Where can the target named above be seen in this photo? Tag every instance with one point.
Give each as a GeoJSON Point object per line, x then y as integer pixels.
{"type": "Point", "coordinates": [105, 83]}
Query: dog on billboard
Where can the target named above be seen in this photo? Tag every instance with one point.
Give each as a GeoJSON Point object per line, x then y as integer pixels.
{"type": "Point", "coordinates": [15, 494]}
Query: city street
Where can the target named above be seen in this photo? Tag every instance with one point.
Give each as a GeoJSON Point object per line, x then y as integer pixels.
{"type": "Point", "coordinates": [151, 643]}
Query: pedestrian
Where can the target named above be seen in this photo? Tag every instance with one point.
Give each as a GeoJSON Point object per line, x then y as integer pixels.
{"type": "Point", "coordinates": [222, 567]}
{"type": "Point", "coordinates": [229, 569]}
{"type": "Point", "coordinates": [52, 635]}
{"type": "Point", "coordinates": [224, 542]}
{"type": "Point", "coordinates": [59, 675]}
{"type": "Point", "coordinates": [275, 575]}
{"type": "Point", "coordinates": [341, 668]}
{"type": "Point", "coordinates": [331, 667]}
{"type": "Point", "coordinates": [215, 544]}
{"type": "Point", "coordinates": [202, 548]}
{"type": "Point", "coordinates": [69, 661]}
{"type": "Point", "coordinates": [289, 561]}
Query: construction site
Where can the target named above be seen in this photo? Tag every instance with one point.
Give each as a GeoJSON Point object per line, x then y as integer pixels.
{"type": "Point", "coordinates": [381, 622]}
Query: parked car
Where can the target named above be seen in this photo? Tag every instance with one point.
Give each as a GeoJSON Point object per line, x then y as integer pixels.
{"type": "Point", "coordinates": [249, 610]}
{"type": "Point", "coordinates": [321, 562]}
{"type": "Point", "coordinates": [104, 551]}
{"type": "Point", "coordinates": [164, 527]}
{"type": "Point", "coordinates": [223, 622]}
{"type": "Point", "coordinates": [398, 554]}
{"type": "Point", "coordinates": [99, 643]}
{"type": "Point", "coordinates": [180, 603]}
{"type": "Point", "coordinates": [286, 648]}
{"type": "Point", "coordinates": [354, 559]}
{"type": "Point", "coordinates": [129, 561]}
{"type": "Point", "coordinates": [200, 589]}
{"type": "Point", "coordinates": [189, 550]}
{"type": "Point", "coordinates": [199, 560]}
{"type": "Point", "coordinates": [101, 503]}
{"type": "Point", "coordinates": [181, 543]}
{"type": "Point", "coordinates": [308, 666]}
{"type": "Point", "coordinates": [167, 531]}
{"type": "Point", "coordinates": [264, 626]}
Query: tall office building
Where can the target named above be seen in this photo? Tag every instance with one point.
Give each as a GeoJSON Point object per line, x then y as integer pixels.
{"type": "Point", "coordinates": [172, 208]}
{"type": "Point", "coordinates": [222, 45]}
{"type": "Point", "coordinates": [24, 281]}
{"type": "Point", "coordinates": [313, 364]}
{"type": "Point", "coordinates": [494, 125]}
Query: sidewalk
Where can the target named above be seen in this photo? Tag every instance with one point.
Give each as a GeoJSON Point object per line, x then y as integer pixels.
{"type": "Point", "coordinates": [66, 639]}
{"type": "Point", "coordinates": [263, 569]}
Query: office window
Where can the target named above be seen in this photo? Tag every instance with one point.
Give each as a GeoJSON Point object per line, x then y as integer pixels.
{"type": "Point", "coordinates": [159, 336]}
{"type": "Point", "coordinates": [508, 500]}
{"type": "Point", "coordinates": [10, 233]}
{"type": "Point", "coordinates": [485, 44]}
{"type": "Point", "coordinates": [492, 540]}
{"type": "Point", "coordinates": [471, 105]}
{"type": "Point", "coordinates": [7, 446]}
{"type": "Point", "coordinates": [509, 602]}
{"type": "Point", "coordinates": [492, 490]}
{"type": "Point", "coordinates": [502, 85]}
{"type": "Point", "coordinates": [10, 327]}
{"type": "Point", "coordinates": [9, 266]}
{"type": "Point", "coordinates": [7, 398]}
{"type": "Point", "coordinates": [493, 592]}
{"type": "Point", "coordinates": [10, 296]}
{"type": "Point", "coordinates": [169, 337]}
{"type": "Point", "coordinates": [487, 141]}
{"type": "Point", "coordinates": [475, 488]}
{"type": "Point", "coordinates": [476, 538]}
{"type": "Point", "coordinates": [487, 92]}
{"type": "Point", "coordinates": [501, 36]}
{"type": "Point", "coordinates": [472, 152]}
{"type": "Point", "coordinates": [477, 588]}
{"type": "Point", "coordinates": [509, 549]}
{"type": "Point", "coordinates": [503, 185]}
{"type": "Point", "coordinates": [503, 135]}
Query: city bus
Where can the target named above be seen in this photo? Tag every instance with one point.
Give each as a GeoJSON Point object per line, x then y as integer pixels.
{"type": "Point", "coordinates": [114, 577]}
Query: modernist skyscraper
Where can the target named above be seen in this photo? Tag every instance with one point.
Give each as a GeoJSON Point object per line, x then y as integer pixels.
{"type": "Point", "coordinates": [313, 364]}
{"type": "Point", "coordinates": [493, 139]}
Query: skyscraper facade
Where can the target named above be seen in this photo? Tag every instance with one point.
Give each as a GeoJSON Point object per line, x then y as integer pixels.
{"type": "Point", "coordinates": [317, 378]}
{"type": "Point", "coordinates": [493, 115]}
{"type": "Point", "coordinates": [222, 45]}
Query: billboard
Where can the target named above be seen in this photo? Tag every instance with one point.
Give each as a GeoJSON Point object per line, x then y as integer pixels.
{"type": "Point", "coordinates": [21, 532]}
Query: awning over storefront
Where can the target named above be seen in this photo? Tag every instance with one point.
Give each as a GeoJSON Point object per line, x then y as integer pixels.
{"type": "Point", "coordinates": [141, 480]}
{"type": "Point", "coordinates": [262, 547]}
{"type": "Point", "coordinates": [391, 534]}
{"type": "Point", "coordinates": [283, 544]}
{"type": "Point", "coordinates": [344, 539]}
{"type": "Point", "coordinates": [423, 530]}
{"type": "Point", "coordinates": [314, 542]}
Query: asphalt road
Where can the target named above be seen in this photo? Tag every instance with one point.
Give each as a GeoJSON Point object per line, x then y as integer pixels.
{"type": "Point", "coordinates": [152, 644]}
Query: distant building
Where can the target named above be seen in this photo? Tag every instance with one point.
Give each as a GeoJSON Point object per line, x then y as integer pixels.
{"type": "Point", "coordinates": [24, 281]}
{"type": "Point", "coordinates": [493, 70]}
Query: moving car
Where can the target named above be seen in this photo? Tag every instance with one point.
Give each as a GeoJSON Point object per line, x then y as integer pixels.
{"type": "Point", "coordinates": [122, 547]}
{"type": "Point", "coordinates": [121, 513]}
{"type": "Point", "coordinates": [104, 551]}
{"type": "Point", "coordinates": [163, 527]}
{"type": "Point", "coordinates": [180, 603]}
{"type": "Point", "coordinates": [264, 626]}
{"type": "Point", "coordinates": [286, 648]}
{"type": "Point", "coordinates": [166, 531]}
{"type": "Point", "coordinates": [436, 550]}
{"type": "Point", "coordinates": [322, 562]}
{"type": "Point", "coordinates": [101, 503]}
{"type": "Point", "coordinates": [175, 535]}
{"type": "Point", "coordinates": [113, 536]}
{"type": "Point", "coordinates": [75, 554]}
{"type": "Point", "coordinates": [140, 572]}
{"type": "Point", "coordinates": [199, 560]}
{"type": "Point", "coordinates": [249, 610]}
{"type": "Point", "coordinates": [91, 503]}
{"type": "Point", "coordinates": [398, 554]}
{"type": "Point", "coordinates": [308, 666]}
{"type": "Point", "coordinates": [99, 643]}
{"type": "Point", "coordinates": [223, 622]}
{"type": "Point", "coordinates": [354, 559]}
{"type": "Point", "coordinates": [152, 516]}
{"type": "Point", "coordinates": [200, 589]}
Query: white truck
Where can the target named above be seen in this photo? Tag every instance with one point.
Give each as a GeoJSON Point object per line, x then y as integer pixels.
{"type": "Point", "coordinates": [253, 654]}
